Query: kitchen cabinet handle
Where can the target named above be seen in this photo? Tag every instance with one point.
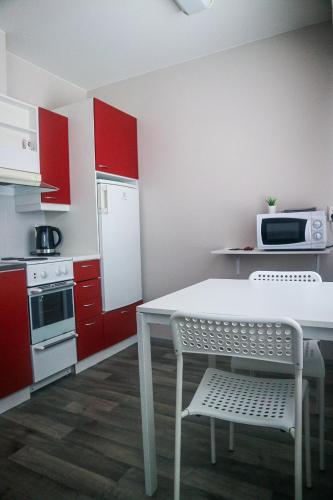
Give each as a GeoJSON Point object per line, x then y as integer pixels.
{"type": "Point", "coordinates": [50, 197]}
{"type": "Point", "coordinates": [44, 347]}
{"type": "Point", "coordinates": [89, 305]}
{"type": "Point", "coordinates": [124, 312]}
{"type": "Point", "coordinates": [12, 270]}
{"type": "Point", "coordinates": [90, 324]}
{"type": "Point", "coordinates": [87, 265]}
{"type": "Point", "coordinates": [87, 286]}
{"type": "Point", "coordinates": [102, 166]}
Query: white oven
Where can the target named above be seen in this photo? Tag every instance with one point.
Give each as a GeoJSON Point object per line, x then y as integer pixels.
{"type": "Point", "coordinates": [52, 316]}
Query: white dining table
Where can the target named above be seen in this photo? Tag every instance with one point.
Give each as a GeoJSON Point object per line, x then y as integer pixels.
{"type": "Point", "coordinates": [309, 304]}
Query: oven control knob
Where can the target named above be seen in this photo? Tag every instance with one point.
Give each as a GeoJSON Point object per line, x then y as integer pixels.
{"type": "Point", "coordinates": [43, 274]}
{"type": "Point", "coordinates": [64, 270]}
{"type": "Point", "coordinates": [58, 272]}
{"type": "Point", "coordinates": [317, 236]}
{"type": "Point", "coordinates": [317, 224]}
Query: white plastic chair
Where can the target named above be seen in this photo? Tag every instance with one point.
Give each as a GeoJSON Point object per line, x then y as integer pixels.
{"type": "Point", "coordinates": [275, 403]}
{"type": "Point", "coordinates": [314, 365]}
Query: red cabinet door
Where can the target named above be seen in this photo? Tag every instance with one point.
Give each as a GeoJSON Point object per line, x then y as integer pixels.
{"type": "Point", "coordinates": [119, 324]}
{"type": "Point", "coordinates": [54, 155]}
{"type": "Point", "coordinates": [86, 270]}
{"type": "Point", "coordinates": [90, 337]}
{"type": "Point", "coordinates": [88, 308]}
{"type": "Point", "coordinates": [116, 149]}
{"type": "Point", "coordinates": [86, 290]}
{"type": "Point", "coordinates": [15, 361]}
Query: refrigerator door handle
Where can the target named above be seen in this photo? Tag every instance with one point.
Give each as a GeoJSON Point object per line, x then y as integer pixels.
{"type": "Point", "coordinates": [103, 199]}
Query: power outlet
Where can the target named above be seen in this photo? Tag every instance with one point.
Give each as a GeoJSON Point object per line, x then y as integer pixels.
{"type": "Point", "coordinates": [330, 214]}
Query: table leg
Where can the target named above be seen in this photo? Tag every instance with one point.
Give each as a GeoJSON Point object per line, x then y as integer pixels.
{"type": "Point", "coordinates": [318, 263]}
{"type": "Point", "coordinates": [147, 404]}
{"type": "Point", "coordinates": [237, 266]}
{"type": "Point", "coordinates": [212, 361]}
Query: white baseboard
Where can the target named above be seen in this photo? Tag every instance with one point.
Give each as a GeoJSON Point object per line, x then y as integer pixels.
{"type": "Point", "coordinates": [102, 355]}
{"type": "Point", "coordinates": [14, 399]}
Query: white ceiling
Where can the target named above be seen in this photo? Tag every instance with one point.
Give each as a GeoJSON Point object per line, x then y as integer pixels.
{"type": "Point", "coordinates": [95, 42]}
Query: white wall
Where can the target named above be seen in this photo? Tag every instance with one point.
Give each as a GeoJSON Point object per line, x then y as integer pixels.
{"type": "Point", "coordinates": [3, 63]}
{"type": "Point", "coordinates": [32, 84]}
{"type": "Point", "coordinates": [17, 230]}
{"type": "Point", "coordinates": [219, 134]}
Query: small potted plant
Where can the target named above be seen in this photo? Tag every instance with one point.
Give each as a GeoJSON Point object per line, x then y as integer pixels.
{"type": "Point", "coordinates": [271, 202]}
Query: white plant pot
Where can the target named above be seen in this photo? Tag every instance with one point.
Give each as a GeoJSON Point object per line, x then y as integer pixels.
{"type": "Point", "coordinates": [271, 209]}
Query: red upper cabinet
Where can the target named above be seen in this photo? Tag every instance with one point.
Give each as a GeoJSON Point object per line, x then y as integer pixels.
{"type": "Point", "coordinates": [15, 364]}
{"type": "Point", "coordinates": [54, 155]}
{"type": "Point", "coordinates": [116, 149]}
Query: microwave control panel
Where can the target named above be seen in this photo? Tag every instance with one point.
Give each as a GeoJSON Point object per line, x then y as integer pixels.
{"type": "Point", "coordinates": [318, 229]}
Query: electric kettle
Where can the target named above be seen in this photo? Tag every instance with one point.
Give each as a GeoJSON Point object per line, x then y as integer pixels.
{"type": "Point", "coordinates": [45, 242]}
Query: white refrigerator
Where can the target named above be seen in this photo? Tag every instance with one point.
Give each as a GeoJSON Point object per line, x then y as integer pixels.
{"type": "Point", "coordinates": [119, 243]}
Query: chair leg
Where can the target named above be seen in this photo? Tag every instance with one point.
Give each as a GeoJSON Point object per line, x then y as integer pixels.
{"type": "Point", "coordinates": [179, 389]}
{"type": "Point", "coordinates": [322, 424]}
{"type": "Point", "coordinates": [231, 436]}
{"type": "Point", "coordinates": [307, 440]}
{"type": "Point", "coordinates": [298, 436]}
{"type": "Point", "coordinates": [177, 457]}
{"type": "Point", "coordinates": [212, 441]}
{"type": "Point", "coordinates": [317, 406]}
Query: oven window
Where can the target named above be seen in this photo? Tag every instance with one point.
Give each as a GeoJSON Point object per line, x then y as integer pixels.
{"type": "Point", "coordinates": [282, 231]}
{"type": "Point", "coordinates": [51, 308]}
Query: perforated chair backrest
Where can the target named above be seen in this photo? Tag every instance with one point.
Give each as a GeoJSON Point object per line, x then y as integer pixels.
{"type": "Point", "coordinates": [298, 276]}
{"type": "Point", "coordinates": [279, 340]}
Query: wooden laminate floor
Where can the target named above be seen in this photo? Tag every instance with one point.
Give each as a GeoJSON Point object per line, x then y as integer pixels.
{"type": "Point", "coordinates": [80, 438]}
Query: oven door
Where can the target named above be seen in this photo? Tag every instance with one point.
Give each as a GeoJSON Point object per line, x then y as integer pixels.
{"type": "Point", "coordinates": [51, 309]}
{"type": "Point", "coordinates": [285, 232]}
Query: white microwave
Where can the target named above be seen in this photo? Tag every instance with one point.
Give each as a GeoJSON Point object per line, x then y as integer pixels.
{"type": "Point", "coordinates": [292, 231]}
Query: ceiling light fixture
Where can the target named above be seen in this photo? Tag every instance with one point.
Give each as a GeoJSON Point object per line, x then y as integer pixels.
{"type": "Point", "coordinates": [193, 6]}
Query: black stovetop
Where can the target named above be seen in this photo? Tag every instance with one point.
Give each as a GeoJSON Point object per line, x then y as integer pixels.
{"type": "Point", "coordinates": [23, 259]}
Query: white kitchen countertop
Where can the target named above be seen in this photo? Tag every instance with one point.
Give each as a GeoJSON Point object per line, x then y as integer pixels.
{"type": "Point", "coordinates": [80, 258]}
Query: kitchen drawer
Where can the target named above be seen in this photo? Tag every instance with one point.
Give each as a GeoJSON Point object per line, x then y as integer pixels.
{"type": "Point", "coordinates": [119, 324]}
{"type": "Point", "coordinates": [86, 270]}
{"type": "Point", "coordinates": [88, 308]}
{"type": "Point", "coordinates": [85, 290]}
{"type": "Point", "coordinates": [53, 355]}
{"type": "Point", "coordinates": [90, 337]}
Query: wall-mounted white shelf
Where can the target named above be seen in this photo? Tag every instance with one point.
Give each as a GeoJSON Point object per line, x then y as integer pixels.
{"type": "Point", "coordinates": [256, 251]}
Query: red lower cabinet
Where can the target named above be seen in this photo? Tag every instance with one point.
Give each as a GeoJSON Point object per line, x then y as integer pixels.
{"type": "Point", "coordinates": [96, 330]}
{"type": "Point", "coordinates": [90, 337]}
{"type": "Point", "coordinates": [88, 308]}
{"type": "Point", "coordinates": [119, 324]}
{"type": "Point", "coordinates": [15, 361]}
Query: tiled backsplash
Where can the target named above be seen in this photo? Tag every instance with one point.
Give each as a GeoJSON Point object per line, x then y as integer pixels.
{"type": "Point", "coordinates": [16, 229]}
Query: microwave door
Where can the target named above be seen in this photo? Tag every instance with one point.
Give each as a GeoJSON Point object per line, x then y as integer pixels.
{"type": "Point", "coordinates": [278, 232]}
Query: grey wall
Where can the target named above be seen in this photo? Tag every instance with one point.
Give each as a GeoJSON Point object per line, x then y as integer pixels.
{"type": "Point", "coordinates": [219, 134]}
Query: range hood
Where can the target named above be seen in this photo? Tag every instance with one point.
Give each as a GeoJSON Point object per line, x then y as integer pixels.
{"type": "Point", "coordinates": [24, 181]}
